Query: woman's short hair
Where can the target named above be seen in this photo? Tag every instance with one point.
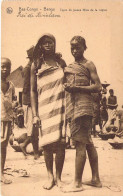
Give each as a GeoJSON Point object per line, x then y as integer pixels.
{"type": "Point", "coordinates": [80, 40]}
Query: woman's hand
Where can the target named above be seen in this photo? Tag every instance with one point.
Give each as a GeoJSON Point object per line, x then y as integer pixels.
{"type": "Point", "coordinates": [36, 121]}
{"type": "Point", "coordinates": [67, 87]}
{"type": "Point", "coordinates": [70, 87]}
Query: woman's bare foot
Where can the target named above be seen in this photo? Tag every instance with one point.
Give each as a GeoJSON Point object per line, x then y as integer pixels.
{"type": "Point", "coordinates": [59, 183]}
{"type": "Point", "coordinates": [4, 180]}
{"type": "Point", "coordinates": [97, 183]}
{"type": "Point", "coordinates": [49, 184]}
{"type": "Point", "coordinates": [72, 188]}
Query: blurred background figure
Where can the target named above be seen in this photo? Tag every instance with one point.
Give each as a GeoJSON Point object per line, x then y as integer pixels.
{"type": "Point", "coordinates": [103, 104]}
{"type": "Point", "coordinates": [112, 106]}
{"type": "Point", "coordinates": [32, 132]}
{"type": "Point", "coordinates": [120, 118]}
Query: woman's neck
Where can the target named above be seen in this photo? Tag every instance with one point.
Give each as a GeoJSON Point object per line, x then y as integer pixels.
{"type": "Point", "coordinates": [82, 58]}
{"type": "Point", "coordinates": [50, 60]}
{"type": "Point", "coordinates": [49, 57]}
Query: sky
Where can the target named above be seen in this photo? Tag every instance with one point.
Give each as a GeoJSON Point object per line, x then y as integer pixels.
{"type": "Point", "coordinates": [102, 31]}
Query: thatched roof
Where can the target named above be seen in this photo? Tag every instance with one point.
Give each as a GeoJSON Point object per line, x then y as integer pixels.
{"type": "Point", "coordinates": [16, 77]}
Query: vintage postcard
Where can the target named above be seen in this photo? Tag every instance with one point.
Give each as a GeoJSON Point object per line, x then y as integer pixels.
{"type": "Point", "coordinates": [61, 97]}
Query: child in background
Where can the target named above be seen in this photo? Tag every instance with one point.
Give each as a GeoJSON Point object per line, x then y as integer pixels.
{"type": "Point", "coordinates": [7, 96]}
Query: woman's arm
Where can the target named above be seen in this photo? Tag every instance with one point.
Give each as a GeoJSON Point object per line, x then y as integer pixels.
{"type": "Point", "coordinates": [95, 87]}
{"type": "Point", "coordinates": [34, 94]}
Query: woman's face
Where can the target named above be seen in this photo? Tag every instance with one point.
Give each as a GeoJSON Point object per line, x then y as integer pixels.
{"type": "Point", "coordinates": [77, 49]}
{"type": "Point", "coordinates": [48, 46]}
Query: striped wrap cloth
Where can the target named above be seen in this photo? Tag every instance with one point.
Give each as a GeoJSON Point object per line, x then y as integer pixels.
{"type": "Point", "coordinates": [51, 103]}
{"type": "Point", "coordinates": [78, 103]}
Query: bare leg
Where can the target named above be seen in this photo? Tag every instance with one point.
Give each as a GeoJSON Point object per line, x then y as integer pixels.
{"type": "Point", "coordinates": [93, 159]}
{"type": "Point", "coordinates": [48, 155]}
{"type": "Point", "coordinates": [4, 151]}
{"type": "Point", "coordinates": [94, 130]}
{"type": "Point", "coordinates": [35, 147]}
{"type": "Point", "coordinates": [24, 145]}
{"type": "Point", "coordinates": [104, 123]}
{"type": "Point", "coordinates": [34, 140]}
{"type": "Point", "coordinates": [79, 163]}
{"type": "Point", "coordinates": [59, 161]}
{"type": "Point", "coordinates": [3, 159]}
{"type": "Point", "coordinates": [100, 124]}
{"type": "Point", "coordinates": [79, 167]}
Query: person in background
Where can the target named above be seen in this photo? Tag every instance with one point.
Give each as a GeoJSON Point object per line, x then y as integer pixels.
{"type": "Point", "coordinates": [96, 120]}
{"type": "Point", "coordinates": [7, 97]}
{"type": "Point", "coordinates": [32, 132]}
{"type": "Point", "coordinates": [120, 117]}
{"type": "Point", "coordinates": [112, 105]}
{"type": "Point", "coordinates": [103, 108]}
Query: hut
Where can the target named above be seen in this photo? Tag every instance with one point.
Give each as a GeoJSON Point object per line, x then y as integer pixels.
{"type": "Point", "coordinates": [16, 77]}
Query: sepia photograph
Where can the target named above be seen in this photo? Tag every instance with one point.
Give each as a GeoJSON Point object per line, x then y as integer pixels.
{"type": "Point", "coordinates": [61, 98]}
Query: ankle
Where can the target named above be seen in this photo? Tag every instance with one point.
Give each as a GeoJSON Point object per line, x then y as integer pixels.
{"type": "Point", "coordinates": [77, 183]}
{"type": "Point", "coordinates": [50, 177]}
{"type": "Point", "coordinates": [95, 179]}
{"type": "Point", "coordinates": [58, 178]}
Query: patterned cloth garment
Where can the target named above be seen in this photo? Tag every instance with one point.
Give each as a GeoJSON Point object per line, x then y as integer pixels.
{"type": "Point", "coordinates": [50, 102]}
{"type": "Point", "coordinates": [79, 103]}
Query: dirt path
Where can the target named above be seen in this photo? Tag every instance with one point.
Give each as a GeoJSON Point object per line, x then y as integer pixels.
{"type": "Point", "coordinates": [110, 165]}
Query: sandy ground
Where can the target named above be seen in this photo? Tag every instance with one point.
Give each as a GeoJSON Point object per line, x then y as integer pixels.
{"type": "Point", "coordinates": [110, 166]}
